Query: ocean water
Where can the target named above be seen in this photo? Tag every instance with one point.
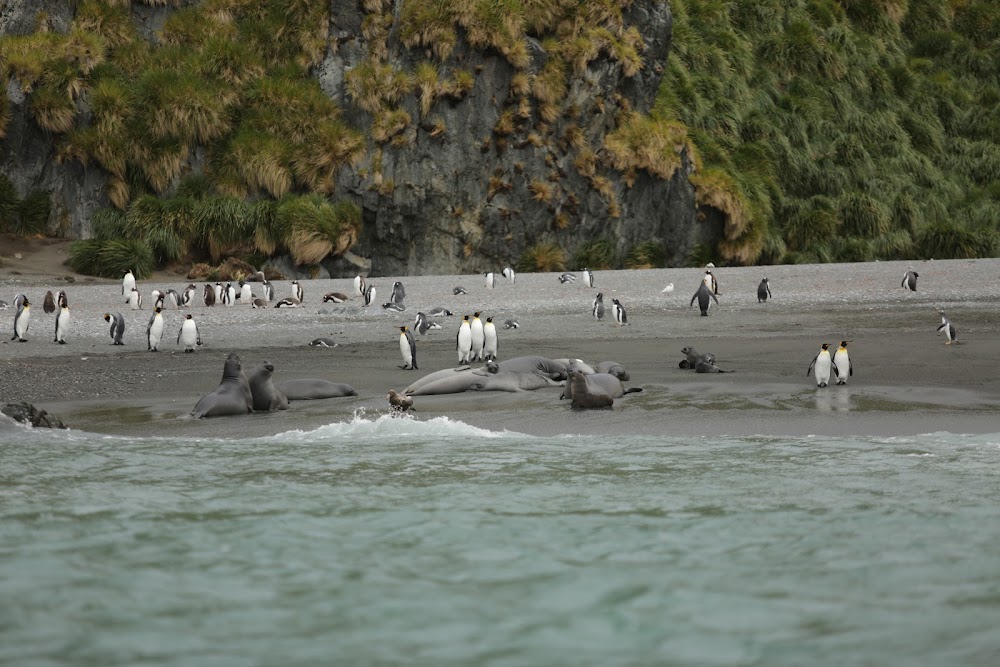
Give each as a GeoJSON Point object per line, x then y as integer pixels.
{"type": "Point", "coordinates": [386, 541]}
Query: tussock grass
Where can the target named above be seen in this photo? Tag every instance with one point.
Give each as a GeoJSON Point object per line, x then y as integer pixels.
{"type": "Point", "coordinates": [542, 258]}
{"type": "Point", "coordinates": [646, 255]}
{"type": "Point", "coordinates": [597, 254]}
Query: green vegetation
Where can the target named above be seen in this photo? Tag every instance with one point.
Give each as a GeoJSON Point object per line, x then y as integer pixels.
{"type": "Point", "coordinates": [646, 255]}
{"type": "Point", "coordinates": [542, 258]}
{"type": "Point", "coordinates": [106, 258]}
{"type": "Point", "coordinates": [596, 255]}
{"type": "Point", "coordinates": [24, 217]}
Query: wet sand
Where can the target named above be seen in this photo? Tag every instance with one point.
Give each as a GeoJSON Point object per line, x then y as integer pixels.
{"type": "Point", "coordinates": [906, 380]}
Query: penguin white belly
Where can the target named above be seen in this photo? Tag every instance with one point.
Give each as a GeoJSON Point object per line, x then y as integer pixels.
{"type": "Point", "coordinates": [822, 370]}
{"type": "Point", "coordinates": [231, 296]}
{"type": "Point", "coordinates": [490, 343]}
{"type": "Point", "coordinates": [21, 323]}
{"type": "Point", "coordinates": [246, 294]}
{"type": "Point", "coordinates": [464, 345]}
{"type": "Point", "coordinates": [189, 335]}
{"type": "Point", "coordinates": [62, 325]}
{"type": "Point", "coordinates": [843, 363]}
{"type": "Point", "coordinates": [133, 300]}
{"type": "Point", "coordinates": [478, 340]}
{"type": "Point", "coordinates": [155, 332]}
{"type": "Point", "coordinates": [404, 350]}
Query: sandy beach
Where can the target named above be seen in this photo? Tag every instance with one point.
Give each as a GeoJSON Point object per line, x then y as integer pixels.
{"type": "Point", "coordinates": [906, 380]}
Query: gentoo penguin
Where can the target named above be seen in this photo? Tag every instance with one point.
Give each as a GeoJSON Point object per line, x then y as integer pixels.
{"type": "Point", "coordinates": [288, 302]}
{"type": "Point", "coordinates": [62, 299]}
{"type": "Point", "coordinates": [478, 337]}
{"type": "Point", "coordinates": [949, 329]}
{"type": "Point", "coordinates": [246, 293]}
{"type": "Point", "coordinates": [567, 278]}
{"type": "Point", "coordinates": [458, 290]}
{"type": "Point", "coordinates": [398, 293]}
{"type": "Point", "coordinates": [822, 365]}
{"type": "Point", "coordinates": [668, 289]}
{"type": "Point", "coordinates": [399, 402]}
{"type": "Point", "coordinates": [258, 303]}
{"type": "Point", "coordinates": [218, 292]}
{"type": "Point", "coordinates": [439, 312]}
{"type": "Point", "coordinates": [3, 305]}
{"type": "Point", "coordinates": [508, 273]}
{"type": "Point", "coordinates": [619, 311]}
{"type": "Point", "coordinates": [491, 280]}
{"type": "Point", "coordinates": [463, 341]}
{"type": "Point", "coordinates": [842, 363]}
{"type": "Point", "coordinates": [229, 296]}
{"type": "Point", "coordinates": [588, 277]}
{"type": "Point", "coordinates": [21, 319]}
{"type": "Point", "coordinates": [408, 348]}
{"type": "Point", "coordinates": [704, 296]}
{"type": "Point", "coordinates": [157, 298]}
{"type": "Point", "coordinates": [268, 291]}
{"type": "Point", "coordinates": [511, 324]}
{"type": "Point", "coordinates": [128, 282]}
{"type": "Point", "coordinates": [395, 307]}
{"type": "Point", "coordinates": [297, 291]}
{"type": "Point", "coordinates": [910, 280]}
{"type": "Point", "coordinates": [134, 299]}
{"type": "Point", "coordinates": [359, 286]}
{"type": "Point", "coordinates": [334, 297]}
{"type": "Point", "coordinates": [323, 342]}
{"type": "Point", "coordinates": [710, 281]}
{"type": "Point", "coordinates": [49, 303]}
{"type": "Point", "coordinates": [598, 308]}
{"type": "Point", "coordinates": [117, 327]}
{"type": "Point", "coordinates": [173, 298]}
{"type": "Point", "coordinates": [62, 323]}
{"type": "Point", "coordinates": [188, 297]}
{"type": "Point", "coordinates": [209, 295]}
{"type": "Point", "coordinates": [490, 343]}
{"type": "Point", "coordinates": [188, 334]}
{"type": "Point", "coordinates": [369, 294]}
{"type": "Point", "coordinates": [154, 330]}
{"type": "Point", "coordinates": [763, 291]}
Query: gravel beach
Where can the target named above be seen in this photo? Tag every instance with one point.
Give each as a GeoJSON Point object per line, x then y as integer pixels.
{"type": "Point", "coordinates": [906, 380]}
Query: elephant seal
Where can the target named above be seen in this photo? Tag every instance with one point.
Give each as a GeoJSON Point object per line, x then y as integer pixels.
{"type": "Point", "coordinates": [309, 390]}
{"type": "Point", "coordinates": [231, 397]}
{"type": "Point", "coordinates": [266, 398]}
{"type": "Point", "coordinates": [587, 395]}
{"type": "Point", "coordinates": [707, 365]}
{"type": "Point", "coordinates": [576, 365]}
{"type": "Point", "coordinates": [530, 364]}
{"type": "Point", "coordinates": [453, 383]}
{"type": "Point", "coordinates": [614, 368]}
{"type": "Point", "coordinates": [509, 381]}
{"type": "Point", "coordinates": [433, 377]}
{"type": "Point", "coordinates": [605, 382]}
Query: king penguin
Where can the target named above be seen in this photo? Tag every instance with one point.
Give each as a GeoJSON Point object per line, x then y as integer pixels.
{"type": "Point", "coordinates": [842, 362]}
{"type": "Point", "coordinates": [490, 343]}
{"type": "Point", "coordinates": [49, 303]}
{"type": "Point", "coordinates": [704, 296]}
{"type": "Point", "coordinates": [598, 307]}
{"type": "Point", "coordinates": [128, 282]}
{"type": "Point", "coordinates": [949, 330]}
{"type": "Point", "coordinates": [154, 330]}
{"type": "Point", "coordinates": [407, 348]}
{"type": "Point", "coordinates": [62, 321]}
{"type": "Point", "coordinates": [21, 319]}
{"type": "Point", "coordinates": [822, 365]}
{"type": "Point", "coordinates": [463, 341]}
{"type": "Point", "coordinates": [763, 291]}
{"type": "Point", "coordinates": [117, 327]}
{"type": "Point", "coordinates": [619, 310]}
{"type": "Point", "coordinates": [188, 334]}
{"type": "Point", "coordinates": [478, 338]}
{"type": "Point", "coordinates": [209, 295]}
{"type": "Point", "coordinates": [398, 293]}
{"type": "Point", "coordinates": [910, 280]}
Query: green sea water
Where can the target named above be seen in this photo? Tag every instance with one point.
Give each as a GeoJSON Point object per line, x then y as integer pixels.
{"type": "Point", "coordinates": [394, 541]}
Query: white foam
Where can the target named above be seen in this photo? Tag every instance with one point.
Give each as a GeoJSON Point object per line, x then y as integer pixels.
{"type": "Point", "coordinates": [383, 425]}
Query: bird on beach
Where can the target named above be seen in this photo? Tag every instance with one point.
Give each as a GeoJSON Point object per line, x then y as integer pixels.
{"type": "Point", "coordinates": [458, 290]}
{"type": "Point", "coordinates": [209, 295]}
{"type": "Point", "coordinates": [910, 280]}
{"type": "Point", "coordinates": [188, 334]}
{"type": "Point", "coordinates": [842, 363]}
{"type": "Point", "coordinates": [949, 329]}
{"type": "Point", "coordinates": [821, 366]}
{"type": "Point", "coordinates": [508, 273]}
{"type": "Point", "coordinates": [21, 318]}
{"type": "Point", "coordinates": [598, 307]}
{"type": "Point", "coordinates": [117, 327]}
{"type": "Point", "coordinates": [407, 348]}
{"type": "Point", "coordinates": [711, 281]}
{"type": "Point", "coordinates": [619, 311]}
{"type": "Point", "coordinates": [369, 294]}
{"type": "Point", "coordinates": [134, 299]}
{"type": "Point", "coordinates": [359, 286]}
{"type": "Point", "coordinates": [491, 279]}
{"type": "Point", "coordinates": [393, 306]}
{"type": "Point", "coordinates": [154, 330]}
{"type": "Point", "coordinates": [490, 342]}
{"type": "Point", "coordinates": [157, 298]}
{"type": "Point", "coordinates": [439, 312]}
{"type": "Point", "coordinates": [567, 278]}
{"type": "Point", "coordinates": [398, 293]}
{"type": "Point", "coordinates": [62, 320]}
{"type": "Point", "coordinates": [463, 341]}
{"type": "Point", "coordinates": [704, 296]}
{"type": "Point", "coordinates": [763, 291]}
{"type": "Point", "coordinates": [297, 291]}
{"type": "Point", "coordinates": [189, 293]}
{"type": "Point", "coordinates": [588, 277]}
{"type": "Point", "coordinates": [49, 303]}
{"type": "Point", "coordinates": [128, 282]}
{"type": "Point", "coordinates": [668, 289]}
{"type": "Point", "coordinates": [511, 324]}
{"type": "Point", "coordinates": [478, 337]}
{"type": "Point", "coordinates": [334, 297]}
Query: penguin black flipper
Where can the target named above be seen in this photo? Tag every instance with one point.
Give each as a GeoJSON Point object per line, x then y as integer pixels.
{"type": "Point", "coordinates": [813, 363]}
{"type": "Point", "coordinates": [833, 367]}
{"type": "Point", "coordinates": [850, 367]}
{"type": "Point", "coordinates": [633, 390]}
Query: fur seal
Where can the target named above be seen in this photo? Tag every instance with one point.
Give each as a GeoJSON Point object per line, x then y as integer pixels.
{"type": "Point", "coordinates": [398, 403]}
{"type": "Point", "coordinates": [231, 397]}
{"type": "Point", "coordinates": [308, 389]}
{"type": "Point", "coordinates": [266, 398]}
{"type": "Point", "coordinates": [706, 364]}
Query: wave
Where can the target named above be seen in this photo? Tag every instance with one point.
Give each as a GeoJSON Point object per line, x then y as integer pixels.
{"type": "Point", "coordinates": [383, 425]}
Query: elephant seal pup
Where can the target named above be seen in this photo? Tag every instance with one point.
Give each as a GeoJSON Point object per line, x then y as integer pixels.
{"type": "Point", "coordinates": [576, 365]}
{"type": "Point", "coordinates": [707, 365]}
{"type": "Point", "coordinates": [266, 398]}
{"type": "Point", "coordinates": [530, 364]}
{"type": "Point", "coordinates": [311, 390]}
{"type": "Point", "coordinates": [605, 382]}
{"type": "Point", "coordinates": [615, 369]}
{"type": "Point", "coordinates": [231, 397]}
{"type": "Point", "coordinates": [509, 381]}
{"type": "Point", "coordinates": [587, 395]}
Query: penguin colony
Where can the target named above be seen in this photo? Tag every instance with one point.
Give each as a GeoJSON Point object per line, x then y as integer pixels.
{"type": "Point", "coordinates": [476, 339]}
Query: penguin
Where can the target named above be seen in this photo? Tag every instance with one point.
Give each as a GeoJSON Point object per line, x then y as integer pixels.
{"type": "Point", "coordinates": [62, 300]}
{"type": "Point", "coordinates": [288, 302]}
{"type": "Point", "coordinates": [258, 303]}
{"type": "Point", "coordinates": [396, 307]}
{"type": "Point", "coordinates": [334, 297]}
{"type": "Point", "coordinates": [398, 293]}
{"type": "Point", "coordinates": [117, 327]}
{"type": "Point", "coordinates": [511, 324]}
{"type": "Point", "coordinates": [704, 296]}
{"type": "Point", "coordinates": [229, 296]}
{"type": "Point", "coordinates": [268, 291]}
{"type": "Point", "coordinates": [490, 342]}
{"type": "Point", "coordinates": [128, 282]}
{"type": "Point", "coordinates": [910, 280]}
{"type": "Point", "coordinates": [359, 286]}
{"type": "Point", "coordinates": [3, 305]}
{"type": "Point", "coordinates": [567, 278]}
{"type": "Point", "coordinates": [588, 277]}
{"type": "Point", "coordinates": [323, 342]}
{"type": "Point", "coordinates": [154, 330]}
{"type": "Point", "coordinates": [822, 365]}
{"type": "Point", "coordinates": [710, 281]}
{"type": "Point", "coordinates": [842, 362]}
{"type": "Point", "coordinates": [188, 334]}
{"type": "Point", "coordinates": [463, 341]}
{"type": "Point", "coordinates": [458, 290]}
{"type": "Point", "coordinates": [188, 297]}
{"type": "Point", "coordinates": [369, 294]}
{"type": "Point", "coordinates": [668, 289]}
{"type": "Point", "coordinates": [19, 300]}
{"type": "Point", "coordinates": [620, 316]}
{"type": "Point", "coordinates": [949, 330]}
{"type": "Point", "coordinates": [422, 325]}
{"type": "Point", "coordinates": [62, 323]}
{"type": "Point", "coordinates": [49, 303]}
{"type": "Point", "coordinates": [491, 280]}
{"type": "Point", "coordinates": [763, 291]}
{"type": "Point", "coordinates": [21, 319]}
{"type": "Point", "coordinates": [439, 312]}
{"type": "Point", "coordinates": [246, 293]}
{"type": "Point", "coordinates": [209, 295]}
{"type": "Point", "coordinates": [478, 337]}
{"type": "Point", "coordinates": [297, 291]}
{"type": "Point", "coordinates": [408, 348]}
{"type": "Point", "coordinates": [173, 298]}
{"type": "Point", "coordinates": [157, 298]}
{"type": "Point", "coordinates": [134, 299]}
{"type": "Point", "coordinates": [598, 307]}
{"type": "Point", "coordinates": [219, 291]}
{"type": "Point", "coordinates": [508, 273]}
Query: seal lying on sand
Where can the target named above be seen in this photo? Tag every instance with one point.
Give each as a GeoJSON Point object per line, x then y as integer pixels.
{"type": "Point", "coordinates": [587, 395]}
{"type": "Point", "coordinates": [507, 381]}
{"type": "Point", "coordinates": [605, 382]}
{"type": "Point", "coordinates": [308, 390]}
{"type": "Point", "coordinates": [550, 367]}
{"type": "Point", "coordinates": [266, 398]}
{"type": "Point", "coordinates": [231, 397]}
{"type": "Point", "coordinates": [615, 369]}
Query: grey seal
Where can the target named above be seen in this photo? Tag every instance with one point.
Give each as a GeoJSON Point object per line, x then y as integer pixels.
{"type": "Point", "coordinates": [266, 398]}
{"type": "Point", "coordinates": [587, 395]}
{"type": "Point", "coordinates": [308, 390]}
{"type": "Point", "coordinates": [231, 397]}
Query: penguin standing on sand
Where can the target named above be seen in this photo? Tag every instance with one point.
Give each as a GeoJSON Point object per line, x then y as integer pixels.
{"type": "Point", "coordinates": [188, 297]}
{"type": "Point", "coordinates": [154, 330]}
{"type": "Point", "coordinates": [117, 327]}
{"type": "Point", "coordinates": [268, 291]}
{"type": "Point", "coordinates": [218, 292]}
{"type": "Point", "coordinates": [157, 298]}
{"type": "Point", "coordinates": [134, 300]}
{"type": "Point", "coordinates": [359, 286]}
{"type": "Point", "coordinates": [598, 307]}
{"type": "Point", "coordinates": [478, 337]}
{"type": "Point", "coordinates": [842, 363]}
{"type": "Point", "coordinates": [463, 341]}
{"type": "Point", "coordinates": [21, 319]}
{"type": "Point", "coordinates": [209, 295]}
{"type": "Point", "coordinates": [491, 279]}
{"type": "Point", "coordinates": [710, 280]}
{"type": "Point", "coordinates": [398, 293]}
{"type": "Point", "coordinates": [619, 311]}
{"type": "Point", "coordinates": [910, 280]}
{"type": "Point", "coordinates": [173, 298]}
{"type": "Point", "coordinates": [369, 294]}
{"type": "Point", "coordinates": [763, 291]}
{"type": "Point", "coordinates": [297, 291]}
{"type": "Point", "coordinates": [949, 330]}
{"type": "Point", "coordinates": [588, 277]}
{"type": "Point", "coordinates": [128, 282]}
{"type": "Point", "coordinates": [246, 293]}
{"type": "Point", "coordinates": [508, 273]}
{"type": "Point", "coordinates": [188, 334]}
{"type": "Point", "coordinates": [408, 348]}
{"type": "Point", "coordinates": [49, 303]}
{"type": "Point", "coordinates": [62, 320]}
{"type": "Point", "coordinates": [668, 289]}
{"type": "Point", "coordinates": [704, 296]}
{"type": "Point", "coordinates": [490, 343]}
{"type": "Point", "coordinates": [822, 365]}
